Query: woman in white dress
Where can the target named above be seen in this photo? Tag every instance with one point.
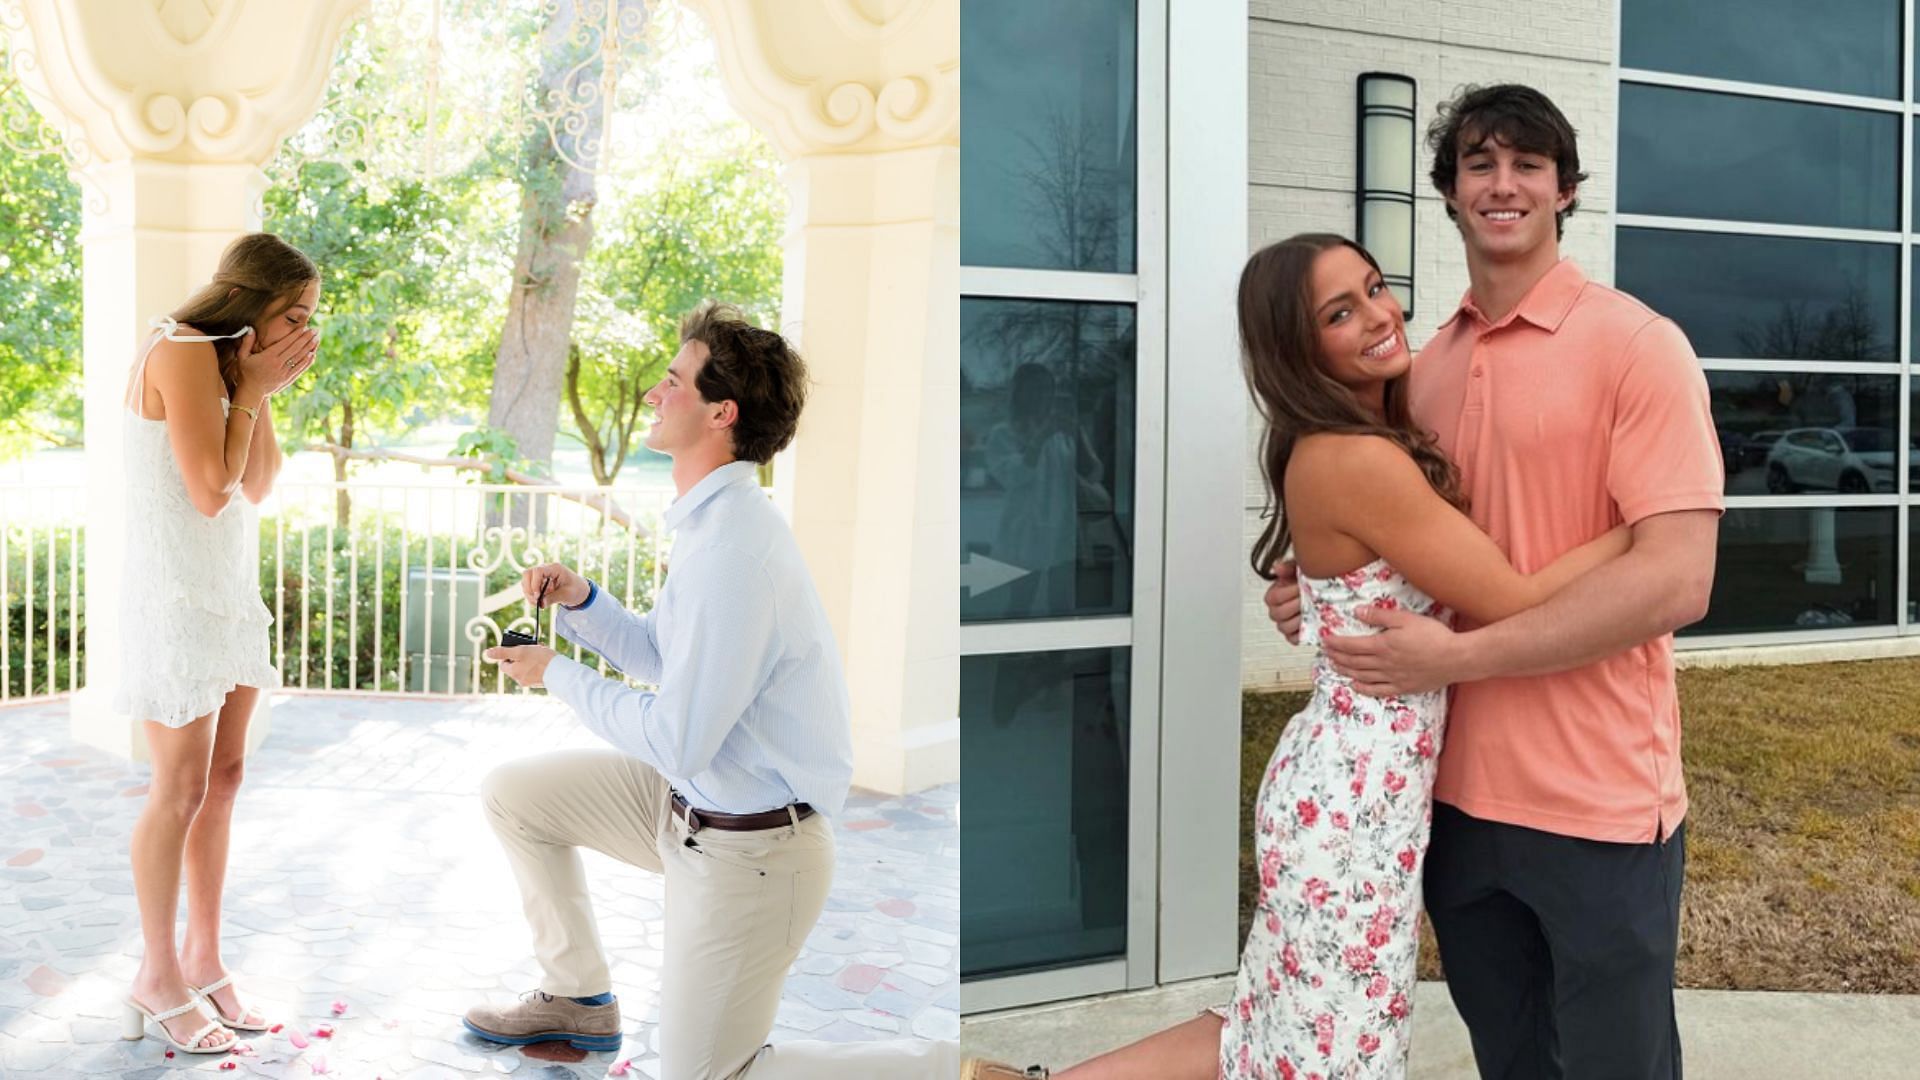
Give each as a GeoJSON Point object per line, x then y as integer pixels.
{"type": "Point", "coordinates": [200, 452]}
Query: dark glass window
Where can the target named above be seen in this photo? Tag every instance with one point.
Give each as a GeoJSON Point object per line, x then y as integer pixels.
{"type": "Point", "coordinates": [1047, 168]}
{"type": "Point", "coordinates": [1046, 459]}
{"type": "Point", "coordinates": [1790, 432]}
{"type": "Point", "coordinates": [1044, 877]}
{"type": "Point", "coordinates": [1842, 46]}
{"type": "Point", "coordinates": [1802, 569]}
{"type": "Point", "coordinates": [1684, 153]}
{"type": "Point", "coordinates": [1764, 297]}
{"type": "Point", "coordinates": [1913, 568]}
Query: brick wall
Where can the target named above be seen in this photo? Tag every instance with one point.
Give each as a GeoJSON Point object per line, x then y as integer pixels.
{"type": "Point", "coordinates": [1305, 56]}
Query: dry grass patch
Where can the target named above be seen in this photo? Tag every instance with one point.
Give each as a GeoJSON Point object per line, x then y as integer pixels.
{"type": "Point", "coordinates": [1803, 844]}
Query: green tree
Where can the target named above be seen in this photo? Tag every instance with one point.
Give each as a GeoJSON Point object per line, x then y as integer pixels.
{"type": "Point", "coordinates": [706, 229]}
{"type": "Point", "coordinates": [376, 253]}
{"type": "Point", "coordinates": [40, 399]}
{"type": "Point", "coordinates": [571, 98]}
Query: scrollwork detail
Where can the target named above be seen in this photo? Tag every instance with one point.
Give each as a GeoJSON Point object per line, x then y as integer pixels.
{"type": "Point", "coordinates": [62, 138]}
{"type": "Point", "coordinates": [503, 540]}
{"type": "Point", "coordinates": [908, 108]}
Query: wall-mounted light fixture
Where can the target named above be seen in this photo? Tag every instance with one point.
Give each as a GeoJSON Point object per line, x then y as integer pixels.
{"type": "Point", "coordinates": [1383, 189]}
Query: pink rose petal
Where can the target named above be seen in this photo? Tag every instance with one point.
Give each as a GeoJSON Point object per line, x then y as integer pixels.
{"type": "Point", "coordinates": [620, 1069]}
{"type": "Point", "coordinates": [297, 1038]}
{"type": "Point", "coordinates": [339, 1008]}
{"type": "Point", "coordinates": [318, 1063]}
{"type": "Point", "coordinates": [324, 1031]}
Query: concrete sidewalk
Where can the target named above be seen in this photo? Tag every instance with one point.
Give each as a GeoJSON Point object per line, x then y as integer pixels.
{"type": "Point", "coordinates": [1727, 1035]}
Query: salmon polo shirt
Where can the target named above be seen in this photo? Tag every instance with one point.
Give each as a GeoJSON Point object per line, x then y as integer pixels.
{"type": "Point", "coordinates": [1579, 410]}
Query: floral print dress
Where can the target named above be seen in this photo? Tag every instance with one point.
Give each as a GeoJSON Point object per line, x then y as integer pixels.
{"type": "Point", "coordinates": [1325, 988]}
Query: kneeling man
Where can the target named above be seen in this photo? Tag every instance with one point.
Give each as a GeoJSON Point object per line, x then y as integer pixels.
{"type": "Point", "coordinates": [724, 780]}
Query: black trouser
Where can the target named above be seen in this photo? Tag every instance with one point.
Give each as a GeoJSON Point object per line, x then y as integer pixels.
{"type": "Point", "coordinates": [1558, 951]}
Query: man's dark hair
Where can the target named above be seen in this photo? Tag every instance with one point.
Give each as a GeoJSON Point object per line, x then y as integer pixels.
{"type": "Point", "coordinates": [753, 368]}
{"type": "Point", "coordinates": [1520, 117]}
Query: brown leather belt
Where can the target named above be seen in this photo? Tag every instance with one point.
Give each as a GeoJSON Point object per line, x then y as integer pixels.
{"type": "Point", "coordinates": [713, 819]}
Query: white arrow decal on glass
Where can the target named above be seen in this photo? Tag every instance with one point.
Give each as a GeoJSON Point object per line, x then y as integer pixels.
{"type": "Point", "coordinates": [981, 574]}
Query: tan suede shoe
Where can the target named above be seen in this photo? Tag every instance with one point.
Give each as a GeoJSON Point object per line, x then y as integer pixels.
{"type": "Point", "coordinates": [541, 1017]}
{"type": "Point", "coordinates": [977, 1069]}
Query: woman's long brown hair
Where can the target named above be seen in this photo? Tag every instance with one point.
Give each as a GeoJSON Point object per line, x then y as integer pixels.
{"type": "Point", "coordinates": [259, 275]}
{"type": "Point", "coordinates": [1280, 355]}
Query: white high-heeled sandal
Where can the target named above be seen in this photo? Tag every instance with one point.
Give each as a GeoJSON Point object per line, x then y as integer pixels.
{"type": "Point", "coordinates": [205, 993]}
{"type": "Point", "coordinates": [134, 1027]}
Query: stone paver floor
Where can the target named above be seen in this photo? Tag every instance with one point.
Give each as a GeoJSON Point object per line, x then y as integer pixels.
{"type": "Point", "coordinates": [363, 875]}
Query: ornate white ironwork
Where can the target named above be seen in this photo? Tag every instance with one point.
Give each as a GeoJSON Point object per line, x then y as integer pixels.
{"type": "Point", "coordinates": [432, 533]}
{"type": "Point", "coordinates": [22, 135]}
{"type": "Point", "coordinates": [505, 537]}
{"type": "Point", "coordinates": [446, 125]}
{"type": "Point", "coordinates": [450, 600]}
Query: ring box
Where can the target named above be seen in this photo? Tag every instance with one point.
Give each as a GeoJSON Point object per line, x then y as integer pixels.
{"type": "Point", "coordinates": [516, 637]}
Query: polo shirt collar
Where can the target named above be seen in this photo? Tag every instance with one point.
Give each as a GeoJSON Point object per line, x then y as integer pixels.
{"type": "Point", "coordinates": [1546, 304]}
{"type": "Point", "coordinates": [720, 479]}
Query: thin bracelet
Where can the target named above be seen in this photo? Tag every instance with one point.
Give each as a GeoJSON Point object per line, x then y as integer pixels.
{"type": "Point", "coordinates": [253, 414]}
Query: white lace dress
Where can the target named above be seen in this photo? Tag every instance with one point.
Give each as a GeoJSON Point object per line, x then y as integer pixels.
{"type": "Point", "coordinates": [1326, 979]}
{"type": "Point", "coordinates": [193, 626]}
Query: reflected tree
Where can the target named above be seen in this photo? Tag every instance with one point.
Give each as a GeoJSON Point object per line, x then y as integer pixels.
{"type": "Point", "coordinates": [1061, 366]}
{"type": "Point", "coordinates": [1070, 193]}
{"type": "Point", "coordinates": [1797, 331]}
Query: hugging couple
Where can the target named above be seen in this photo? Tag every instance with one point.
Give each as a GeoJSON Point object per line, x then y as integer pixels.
{"type": "Point", "coordinates": [1491, 547]}
{"type": "Point", "coordinates": [724, 781]}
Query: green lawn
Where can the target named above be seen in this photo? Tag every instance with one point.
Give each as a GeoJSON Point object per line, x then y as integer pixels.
{"type": "Point", "coordinates": [1803, 838]}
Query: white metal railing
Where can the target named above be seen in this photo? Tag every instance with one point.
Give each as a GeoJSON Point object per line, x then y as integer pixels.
{"type": "Point", "coordinates": [400, 587]}
{"type": "Point", "coordinates": [374, 587]}
{"type": "Point", "coordinates": [41, 560]}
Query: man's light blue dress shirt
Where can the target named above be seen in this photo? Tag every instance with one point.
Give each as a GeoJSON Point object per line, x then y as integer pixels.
{"type": "Point", "coordinates": [751, 712]}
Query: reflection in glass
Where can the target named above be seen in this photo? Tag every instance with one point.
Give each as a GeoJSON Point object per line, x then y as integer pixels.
{"type": "Point", "coordinates": [1044, 876]}
{"type": "Point", "coordinates": [1786, 432]}
{"type": "Point", "coordinates": [1765, 297]}
{"type": "Point", "coordinates": [1913, 569]}
{"type": "Point", "coordinates": [1845, 46]}
{"type": "Point", "coordinates": [1684, 153]}
{"type": "Point", "coordinates": [1802, 569]}
{"type": "Point", "coordinates": [1046, 459]}
{"type": "Point", "coordinates": [1047, 165]}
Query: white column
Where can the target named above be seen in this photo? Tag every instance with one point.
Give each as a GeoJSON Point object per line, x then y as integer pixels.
{"type": "Point", "coordinates": [1823, 558]}
{"type": "Point", "coordinates": [872, 295]}
{"type": "Point", "coordinates": [862, 101]}
{"type": "Point", "coordinates": [169, 112]}
{"type": "Point", "coordinates": [159, 234]}
{"type": "Point", "coordinates": [1206, 223]}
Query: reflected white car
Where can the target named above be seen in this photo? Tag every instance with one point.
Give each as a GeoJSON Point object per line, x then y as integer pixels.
{"type": "Point", "coordinates": [1854, 460]}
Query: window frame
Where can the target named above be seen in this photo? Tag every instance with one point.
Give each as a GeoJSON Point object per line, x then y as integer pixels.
{"type": "Point", "coordinates": [1907, 245]}
{"type": "Point", "coordinates": [1138, 630]}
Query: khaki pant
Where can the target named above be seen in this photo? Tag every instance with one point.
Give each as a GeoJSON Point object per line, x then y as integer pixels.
{"type": "Point", "coordinates": [739, 906]}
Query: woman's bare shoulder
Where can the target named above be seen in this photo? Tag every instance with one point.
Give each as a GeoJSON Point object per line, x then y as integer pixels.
{"type": "Point", "coordinates": [183, 354]}
{"type": "Point", "coordinates": [1340, 457]}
